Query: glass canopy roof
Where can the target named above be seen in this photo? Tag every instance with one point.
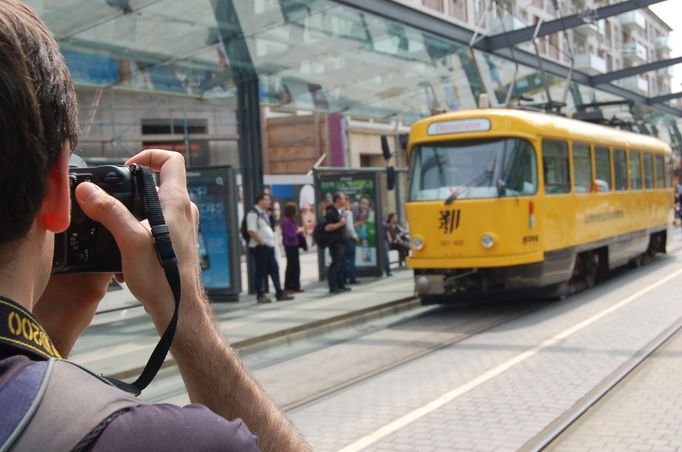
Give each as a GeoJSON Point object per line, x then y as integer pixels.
{"type": "Point", "coordinates": [308, 55]}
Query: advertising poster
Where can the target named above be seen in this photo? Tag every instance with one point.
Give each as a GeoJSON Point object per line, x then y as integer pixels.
{"type": "Point", "coordinates": [361, 189]}
{"type": "Point", "coordinates": [303, 196]}
{"type": "Point", "coordinates": [209, 189]}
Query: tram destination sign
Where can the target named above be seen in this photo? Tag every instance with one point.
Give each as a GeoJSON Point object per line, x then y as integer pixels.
{"type": "Point", "coordinates": [459, 126]}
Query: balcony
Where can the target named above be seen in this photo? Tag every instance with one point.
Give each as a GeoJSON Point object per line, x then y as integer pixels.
{"type": "Point", "coordinates": [633, 20]}
{"type": "Point", "coordinates": [637, 83]}
{"type": "Point", "coordinates": [635, 53]}
{"type": "Point", "coordinates": [590, 63]}
{"type": "Point", "coordinates": [506, 24]}
{"type": "Point", "coordinates": [587, 30]}
{"type": "Point", "coordinates": [662, 43]}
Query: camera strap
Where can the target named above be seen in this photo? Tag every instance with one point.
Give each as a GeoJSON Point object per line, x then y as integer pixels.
{"type": "Point", "coordinates": [19, 329]}
{"type": "Point", "coordinates": [166, 255]}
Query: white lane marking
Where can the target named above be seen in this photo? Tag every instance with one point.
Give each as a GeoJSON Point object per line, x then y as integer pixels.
{"type": "Point", "coordinates": [448, 397]}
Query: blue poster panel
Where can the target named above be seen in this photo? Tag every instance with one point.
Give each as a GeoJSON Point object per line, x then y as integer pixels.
{"type": "Point", "coordinates": [209, 191]}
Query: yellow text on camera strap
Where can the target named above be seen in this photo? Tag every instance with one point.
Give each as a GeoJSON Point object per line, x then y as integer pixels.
{"type": "Point", "coordinates": [18, 328]}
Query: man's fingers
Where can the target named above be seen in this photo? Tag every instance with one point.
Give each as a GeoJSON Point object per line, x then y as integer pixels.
{"type": "Point", "coordinates": [105, 209]}
{"type": "Point", "coordinates": [170, 165]}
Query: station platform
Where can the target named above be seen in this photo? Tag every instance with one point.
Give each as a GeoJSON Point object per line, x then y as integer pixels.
{"type": "Point", "coordinates": [119, 343]}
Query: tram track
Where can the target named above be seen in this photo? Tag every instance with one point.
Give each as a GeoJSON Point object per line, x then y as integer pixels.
{"type": "Point", "coordinates": [554, 431]}
{"type": "Point", "coordinates": [313, 398]}
{"type": "Point", "coordinates": [405, 360]}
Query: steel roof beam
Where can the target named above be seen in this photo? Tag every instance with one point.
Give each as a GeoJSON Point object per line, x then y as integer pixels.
{"type": "Point", "coordinates": [635, 70]}
{"type": "Point", "coordinates": [663, 98]}
{"type": "Point", "coordinates": [407, 15]}
{"type": "Point", "coordinates": [515, 37]}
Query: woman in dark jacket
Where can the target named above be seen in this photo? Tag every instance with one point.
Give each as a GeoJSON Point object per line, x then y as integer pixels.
{"type": "Point", "coordinates": [290, 238]}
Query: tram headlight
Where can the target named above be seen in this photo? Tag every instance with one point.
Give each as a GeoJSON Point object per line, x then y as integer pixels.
{"type": "Point", "coordinates": [487, 241]}
{"type": "Point", "coordinates": [417, 243]}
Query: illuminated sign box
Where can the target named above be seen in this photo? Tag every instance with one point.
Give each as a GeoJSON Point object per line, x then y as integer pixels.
{"type": "Point", "coordinates": [459, 126]}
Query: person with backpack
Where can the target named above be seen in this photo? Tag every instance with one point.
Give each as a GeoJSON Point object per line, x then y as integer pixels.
{"type": "Point", "coordinates": [49, 403]}
{"type": "Point", "coordinates": [262, 250]}
{"type": "Point", "coordinates": [334, 225]}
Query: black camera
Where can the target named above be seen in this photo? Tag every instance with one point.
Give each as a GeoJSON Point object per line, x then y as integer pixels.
{"type": "Point", "coordinates": [87, 246]}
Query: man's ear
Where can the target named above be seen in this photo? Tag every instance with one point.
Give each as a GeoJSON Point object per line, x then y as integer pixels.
{"type": "Point", "coordinates": [55, 212]}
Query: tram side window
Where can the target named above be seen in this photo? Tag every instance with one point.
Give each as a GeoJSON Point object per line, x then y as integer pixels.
{"type": "Point", "coordinates": [621, 169]}
{"type": "Point", "coordinates": [669, 172]}
{"type": "Point", "coordinates": [603, 164]}
{"type": "Point", "coordinates": [648, 171]}
{"type": "Point", "coordinates": [582, 167]}
{"type": "Point", "coordinates": [660, 172]}
{"type": "Point", "coordinates": [555, 167]}
{"type": "Point", "coordinates": [635, 171]}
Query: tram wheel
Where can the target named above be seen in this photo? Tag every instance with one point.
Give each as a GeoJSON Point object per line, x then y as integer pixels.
{"type": "Point", "coordinates": [590, 269]}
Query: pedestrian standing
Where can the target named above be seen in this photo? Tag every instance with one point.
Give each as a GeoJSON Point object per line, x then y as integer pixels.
{"type": "Point", "coordinates": [397, 238]}
{"type": "Point", "coordinates": [351, 238]}
{"type": "Point", "coordinates": [262, 249]}
{"type": "Point", "coordinates": [292, 234]}
{"type": "Point", "coordinates": [334, 226]}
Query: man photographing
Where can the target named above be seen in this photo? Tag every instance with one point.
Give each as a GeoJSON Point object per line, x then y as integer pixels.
{"type": "Point", "coordinates": [38, 124]}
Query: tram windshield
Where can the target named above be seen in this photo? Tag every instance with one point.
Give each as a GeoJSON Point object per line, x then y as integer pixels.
{"type": "Point", "coordinates": [473, 169]}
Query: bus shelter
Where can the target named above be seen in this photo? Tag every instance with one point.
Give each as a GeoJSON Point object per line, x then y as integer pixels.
{"type": "Point", "coordinates": [371, 199]}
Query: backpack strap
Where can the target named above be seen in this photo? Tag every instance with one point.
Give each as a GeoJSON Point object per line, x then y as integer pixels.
{"type": "Point", "coordinates": [20, 399]}
{"type": "Point", "coordinates": [74, 404]}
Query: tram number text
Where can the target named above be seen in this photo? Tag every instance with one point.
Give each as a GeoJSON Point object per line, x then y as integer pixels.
{"type": "Point", "coordinates": [452, 243]}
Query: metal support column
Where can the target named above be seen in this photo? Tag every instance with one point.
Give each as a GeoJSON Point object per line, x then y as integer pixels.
{"type": "Point", "coordinates": [245, 76]}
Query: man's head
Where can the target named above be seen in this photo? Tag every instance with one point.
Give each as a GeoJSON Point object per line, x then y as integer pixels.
{"type": "Point", "coordinates": [364, 203]}
{"type": "Point", "coordinates": [38, 116]}
{"type": "Point", "coordinates": [264, 201]}
{"type": "Point", "coordinates": [339, 200]}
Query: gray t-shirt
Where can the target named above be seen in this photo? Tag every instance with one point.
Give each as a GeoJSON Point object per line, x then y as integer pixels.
{"type": "Point", "coordinates": [156, 427]}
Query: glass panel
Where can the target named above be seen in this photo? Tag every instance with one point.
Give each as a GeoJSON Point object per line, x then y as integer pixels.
{"type": "Point", "coordinates": [473, 169]}
{"type": "Point", "coordinates": [669, 173]}
{"type": "Point", "coordinates": [582, 167]}
{"type": "Point", "coordinates": [660, 172]}
{"type": "Point", "coordinates": [620, 169]}
{"type": "Point", "coordinates": [603, 164]}
{"type": "Point", "coordinates": [648, 170]}
{"type": "Point", "coordinates": [555, 167]}
{"type": "Point", "coordinates": [635, 171]}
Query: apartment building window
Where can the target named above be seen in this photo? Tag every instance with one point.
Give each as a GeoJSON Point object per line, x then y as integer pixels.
{"type": "Point", "coordinates": [609, 63]}
{"type": "Point", "coordinates": [434, 4]}
{"type": "Point", "coordinates": [539, 3]}
{"type": "Point", "coordinates": [554, 45]}
{"type": "Point", "coordinates": [458, 9]}
{"type": "Point", "coordinates": [608, 34]}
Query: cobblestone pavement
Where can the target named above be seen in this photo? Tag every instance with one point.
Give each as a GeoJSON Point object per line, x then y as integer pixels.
{"type": "Point", "coordinates": [644, 412]}
{"type": "Point", "coordinates": [497, 390]}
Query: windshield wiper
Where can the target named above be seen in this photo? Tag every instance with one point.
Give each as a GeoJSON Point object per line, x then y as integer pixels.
{"type": "Point", "coordinates": [474, 182]}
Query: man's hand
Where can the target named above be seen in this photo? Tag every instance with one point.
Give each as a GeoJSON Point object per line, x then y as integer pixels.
{"type": "Point", "coordinates": [212, 372]}
{"type": "Point", "coordinates": [140, 266]}
{"type": "Point", "coordinates": [68, 304]}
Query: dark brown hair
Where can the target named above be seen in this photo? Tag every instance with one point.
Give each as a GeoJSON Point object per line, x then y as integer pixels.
{"type": "Point", "coordinates": [38, 115]}
{"type": "Point", "coordinates": [290, 210]}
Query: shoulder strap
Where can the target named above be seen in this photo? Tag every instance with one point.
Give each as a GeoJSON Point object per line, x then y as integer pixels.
{"type": "Point", "coordinates": [74, 404]}
{"type": "Point", "coordinates": [20, 399]}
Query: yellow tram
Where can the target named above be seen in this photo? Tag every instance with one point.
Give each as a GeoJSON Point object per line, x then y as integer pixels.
{"type": "Point", "coordinates": [504, 200]}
